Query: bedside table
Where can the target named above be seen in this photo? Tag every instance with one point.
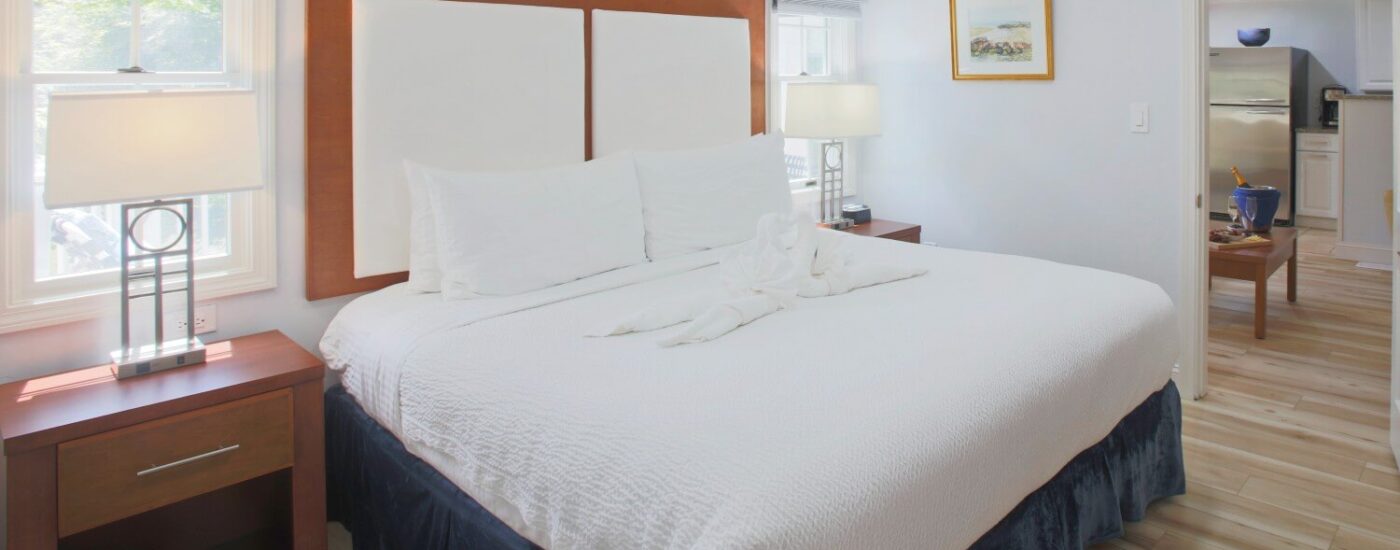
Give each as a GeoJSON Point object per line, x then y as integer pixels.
{"type": "Point", "coordinates": [190, 457]}
{"type": "Point", "coordinates": [886, 229]}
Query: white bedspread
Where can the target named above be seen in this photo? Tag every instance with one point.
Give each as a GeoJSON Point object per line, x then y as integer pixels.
{"type": "Point", "coordinates": [914, 414]}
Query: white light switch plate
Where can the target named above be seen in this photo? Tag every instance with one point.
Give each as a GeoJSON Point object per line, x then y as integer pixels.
{"type": "Point", "coordinates": [1140, 118]}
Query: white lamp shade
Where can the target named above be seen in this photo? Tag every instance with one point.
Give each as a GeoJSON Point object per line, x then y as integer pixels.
{"type": "Point", "coordinates": [831, 110]}
{"type": "Point", "coordinates": [135, 146]}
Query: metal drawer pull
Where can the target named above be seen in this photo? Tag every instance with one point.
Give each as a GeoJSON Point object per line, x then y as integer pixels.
{"type": "Point", "coordinates": [184, 461]}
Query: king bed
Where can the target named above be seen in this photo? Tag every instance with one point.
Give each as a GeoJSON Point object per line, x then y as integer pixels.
{"type": "Point", "coordinates": [918, 413]}
{"type": "Point", "coordinates": [984, 400]}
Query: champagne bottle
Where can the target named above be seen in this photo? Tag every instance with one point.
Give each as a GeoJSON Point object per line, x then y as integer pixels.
{"type": "Point", "coordinates": [1239, 178]}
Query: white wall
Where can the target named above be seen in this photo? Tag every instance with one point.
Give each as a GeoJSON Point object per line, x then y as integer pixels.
{"type": "Point", "coordinates": [1045, 169]}
{"type": "Point", "coordinates": [1326, 28]}
{"type": "Point", "coordinates": [82, 344]}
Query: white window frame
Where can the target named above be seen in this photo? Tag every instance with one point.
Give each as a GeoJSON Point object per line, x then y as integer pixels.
{"type": "Point", "coordinates": [251, 264]}
{"type": "Point", "coordinates": [841, 65]}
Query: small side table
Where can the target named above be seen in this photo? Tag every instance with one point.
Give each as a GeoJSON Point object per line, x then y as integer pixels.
{"type": "Point", "coordinates": [1257, 264]}
{"type": "Point", "coordinates": [188, 457]}
{"type": "Point", "coordinates": [885, 229]}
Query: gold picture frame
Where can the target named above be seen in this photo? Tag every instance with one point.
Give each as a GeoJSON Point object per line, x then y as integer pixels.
{"type": "Point", "coordinates": [1025, 29]}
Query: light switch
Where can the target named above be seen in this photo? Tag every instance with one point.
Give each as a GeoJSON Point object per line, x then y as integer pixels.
{"type": "Point", "coordinates": [1139, 118]}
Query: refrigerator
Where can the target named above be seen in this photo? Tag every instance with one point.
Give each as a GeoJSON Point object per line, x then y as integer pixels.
{"type": "Point", "coordinates": [1258, 98]}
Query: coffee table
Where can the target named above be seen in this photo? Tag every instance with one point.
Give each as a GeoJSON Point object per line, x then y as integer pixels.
{"type": "Point", "coordinates": [1257, 264]}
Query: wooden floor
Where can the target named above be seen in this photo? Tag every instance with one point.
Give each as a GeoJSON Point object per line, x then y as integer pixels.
{"type": "Point", "coordinates": [1290, 448]}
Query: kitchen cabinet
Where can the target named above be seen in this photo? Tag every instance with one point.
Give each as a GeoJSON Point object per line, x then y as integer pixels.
{"type": "Point", "coordinates": [1373, 45]}
{"type": "Point", "coordinates": [1319, 176]}
{"type": "Point", "coordinates": [1368, 173]}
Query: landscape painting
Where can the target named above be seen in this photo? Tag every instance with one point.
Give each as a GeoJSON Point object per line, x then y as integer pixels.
{"type": "Point", "coordinates": [1002, 40]}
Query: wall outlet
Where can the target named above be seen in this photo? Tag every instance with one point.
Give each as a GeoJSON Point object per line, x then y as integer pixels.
{"type": "Point", "coordinates": [205, 320]}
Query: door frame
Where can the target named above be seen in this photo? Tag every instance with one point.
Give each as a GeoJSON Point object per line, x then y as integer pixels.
{"type": "Point", "coordinates": [1194, 305]}
{"type": "Point", "coordinates": [1395, 248]}
{"type": "Point", "coordinates": [1194, 309]}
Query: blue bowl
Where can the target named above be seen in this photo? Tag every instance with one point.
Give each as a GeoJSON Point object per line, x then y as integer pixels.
{"type": "Point", "coordinates": [1253, 37]}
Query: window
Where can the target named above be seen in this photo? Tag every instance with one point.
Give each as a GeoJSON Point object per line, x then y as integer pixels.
{"type": "Point", "coordinates": [61, 265]}
{"type": "Point", "coordinates": [810, 48]}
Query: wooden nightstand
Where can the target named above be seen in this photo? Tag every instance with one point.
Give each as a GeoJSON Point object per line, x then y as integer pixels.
{"type": "Point", "coordinates": [886, 229]}
{"type": "Point", "coordinates": [230, 450]}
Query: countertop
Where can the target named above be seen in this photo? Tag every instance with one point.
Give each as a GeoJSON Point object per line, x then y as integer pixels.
{"type": "Point", "coordinates": [1317, 130]}
{"type": "Point", "coordinates": [1385, 97]}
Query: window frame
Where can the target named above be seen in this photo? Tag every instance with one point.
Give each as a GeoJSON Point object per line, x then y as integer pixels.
{"type": "Point", "coordinates": [841, 65]}
{"type": "Point", "coordinates": [251, 263]}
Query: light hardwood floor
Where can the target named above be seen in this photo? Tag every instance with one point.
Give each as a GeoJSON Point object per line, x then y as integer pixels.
{"type": "Point", "coordinates": [1290, 448]}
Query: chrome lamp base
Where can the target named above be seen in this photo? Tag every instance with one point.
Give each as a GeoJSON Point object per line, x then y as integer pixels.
{"type": "Point", "coordinates": [838, 223]}
{"type": "Point", "coordinates": [151, 271]}
{"type": "Point", "coordinates": [833, 186]}
{"type": "Point", "coordinates": [148, 359]}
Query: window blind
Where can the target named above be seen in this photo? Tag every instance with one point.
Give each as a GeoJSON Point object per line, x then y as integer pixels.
{"type": "Point", "coordinates": [825, 8]}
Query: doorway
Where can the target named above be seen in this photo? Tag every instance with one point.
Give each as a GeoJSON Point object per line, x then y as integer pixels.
{"type": "Point", "coordinates": [1330, 352]}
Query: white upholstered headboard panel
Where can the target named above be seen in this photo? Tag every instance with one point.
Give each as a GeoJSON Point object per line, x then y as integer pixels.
{"type": "Point", "coordinates": [669, 81]}
{"type": "Point", "coordinates": [461, 86]}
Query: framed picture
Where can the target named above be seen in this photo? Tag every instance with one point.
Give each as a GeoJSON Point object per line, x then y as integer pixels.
{"type": "Point", "coordinates": [1002, 40]}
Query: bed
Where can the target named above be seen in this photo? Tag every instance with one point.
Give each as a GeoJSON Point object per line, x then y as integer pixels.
{"type": "Point", "coordinates": [997, 401]}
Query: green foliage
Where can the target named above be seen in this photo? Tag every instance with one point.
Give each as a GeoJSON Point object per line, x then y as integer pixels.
{"type": "Point", "coordinates": [95, 35]}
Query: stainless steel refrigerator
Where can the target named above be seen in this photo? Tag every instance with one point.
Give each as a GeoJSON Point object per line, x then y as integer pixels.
{"type": "Point", "coordinates": [1258, 98]}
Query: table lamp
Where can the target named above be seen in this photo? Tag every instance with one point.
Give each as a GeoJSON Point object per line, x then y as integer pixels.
{"type": "Point", "coordinates": [832, 111]}
{"type": "Point", "coordinates": [152, 151]}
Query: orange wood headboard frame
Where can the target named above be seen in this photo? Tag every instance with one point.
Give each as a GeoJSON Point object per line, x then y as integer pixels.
{"type": "Point", "coordinates": [330, 254]}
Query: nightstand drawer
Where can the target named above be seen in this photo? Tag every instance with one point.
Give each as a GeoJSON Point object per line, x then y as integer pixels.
{"type": "Point", "coordinates": [113, 475]}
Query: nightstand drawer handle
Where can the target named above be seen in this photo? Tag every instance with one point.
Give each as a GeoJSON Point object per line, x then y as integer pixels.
{"type": "Point", "coordinates": [184, 461]}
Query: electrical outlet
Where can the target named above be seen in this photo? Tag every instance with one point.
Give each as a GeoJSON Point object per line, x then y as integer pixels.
{"type": "Point", "coordinates": [205, 320]}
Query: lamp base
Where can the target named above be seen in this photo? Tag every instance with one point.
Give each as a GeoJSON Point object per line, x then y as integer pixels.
{"type": "Point", "coordinates": [838, 223]}
{"type": "Point", "coordinates": [148, 359]}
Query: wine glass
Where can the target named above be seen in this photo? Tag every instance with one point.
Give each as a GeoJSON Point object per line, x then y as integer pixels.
{"type": "Point", "coordinates": [1251, 207]}
{"type": "Point", "coordinates": [1232, 207]}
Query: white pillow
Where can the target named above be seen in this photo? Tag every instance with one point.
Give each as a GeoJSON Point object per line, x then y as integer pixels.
{"type": "Point", "coordinates": [423, 272]}
{"type": "Point", "coordinates": [698, 199]}
{"type": "Point", "coordinates": [505, 233]}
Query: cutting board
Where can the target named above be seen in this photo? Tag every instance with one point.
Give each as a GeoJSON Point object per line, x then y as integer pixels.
{"type": "Point", "coordinates": [1240, 244]}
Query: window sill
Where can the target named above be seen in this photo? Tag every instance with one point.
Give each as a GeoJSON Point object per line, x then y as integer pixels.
{"type": "Point", "coordinates": [32, 315]}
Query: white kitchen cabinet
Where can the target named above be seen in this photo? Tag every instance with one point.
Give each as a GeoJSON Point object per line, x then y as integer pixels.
{"type": "Point", "coordinates": [1373, 45]}
{"type": "Point", "coordinates": [1319, 184]}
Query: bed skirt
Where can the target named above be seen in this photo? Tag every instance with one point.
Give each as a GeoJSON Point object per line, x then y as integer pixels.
{"type": "Point", "coordinates": [389, 499]}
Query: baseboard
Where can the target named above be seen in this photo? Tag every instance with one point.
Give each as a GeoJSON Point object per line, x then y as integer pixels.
{"type": "Point", "coordinates": [1395, 430]}
{"type": "Point", "coordinates": [1314, 222]}
{"type": "Point", "coordinates": [1367, 253]}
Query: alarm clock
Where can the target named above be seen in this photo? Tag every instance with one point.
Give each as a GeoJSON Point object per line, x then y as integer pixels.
{"type": "Point", "coordinates": [858, 213]}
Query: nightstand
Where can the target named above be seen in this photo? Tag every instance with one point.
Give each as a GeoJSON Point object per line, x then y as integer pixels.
{"type": "Point", "coordinates": [229, 451]}
{"type": "Point", "coordinates": [886, 229]}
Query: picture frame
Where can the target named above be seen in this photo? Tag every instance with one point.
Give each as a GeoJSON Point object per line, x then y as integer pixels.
{"type": "Point", "coordinates": [1002, 39]}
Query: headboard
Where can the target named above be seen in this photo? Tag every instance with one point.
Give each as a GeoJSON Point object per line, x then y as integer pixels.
{"type": "Point", "coordinates": [331, 168]}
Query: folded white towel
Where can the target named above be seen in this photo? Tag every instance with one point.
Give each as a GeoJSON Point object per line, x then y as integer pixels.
{"type": "Point", "coordinates": [724, 317]}
{"type": "Point", "coordinates": [762, 277]}
{"type": "Point", "coordinates": [666, 313]}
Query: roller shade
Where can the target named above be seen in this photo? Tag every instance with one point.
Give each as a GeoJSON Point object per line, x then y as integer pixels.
{"type": "Point", "coordinates": [826, 8]}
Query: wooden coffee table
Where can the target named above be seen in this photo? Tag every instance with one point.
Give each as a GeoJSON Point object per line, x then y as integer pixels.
{"type": "Point", "coordinates": [1257, 264]}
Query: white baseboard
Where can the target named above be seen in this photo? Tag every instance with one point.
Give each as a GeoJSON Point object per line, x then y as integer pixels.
{"type": "Point", "coordinates": [1314, 222]}
{"type": "Point", "coordinates": [1395, 430]}
{"type": "Point", "coordinates": [1358, 252]}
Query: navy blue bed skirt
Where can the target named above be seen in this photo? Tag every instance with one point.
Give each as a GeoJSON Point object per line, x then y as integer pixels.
{"type": "Point", "coordinates": [389, 499]}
